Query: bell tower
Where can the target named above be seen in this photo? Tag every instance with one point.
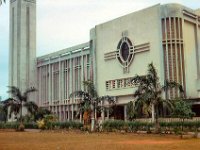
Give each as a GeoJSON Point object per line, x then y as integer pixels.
{"type": "Point", "coordinates": [22, 54]}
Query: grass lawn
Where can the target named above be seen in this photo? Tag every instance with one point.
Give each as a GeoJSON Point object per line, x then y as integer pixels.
{"type": "Point", "coordinates": [64, 140]}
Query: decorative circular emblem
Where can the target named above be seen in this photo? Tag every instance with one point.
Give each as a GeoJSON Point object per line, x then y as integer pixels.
{"type": "Point", "coordinates": [125, 52]}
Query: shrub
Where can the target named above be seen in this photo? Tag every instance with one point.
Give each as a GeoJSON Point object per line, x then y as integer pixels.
{"type": "Point", "coordinates": [30, 125]}
{"type": "Point", "coordinates": [59, 125]}
{"type": "Point", "coordinates": [145, 126]}
{"type": "Point", "coordinates": [41, 124]}
{"type": "Point", "coordinates": [127, 126]}
{"type": "Point", "coordinates": [67, 125]}
{"type": "Point", "coordinates": [15, 125]}
{"type": "Point", "coordinates": [114, 125]}
{"type": "Point", "coordinates": [9, 125]}
{"type": "Point", "coordinates": [176, 126]}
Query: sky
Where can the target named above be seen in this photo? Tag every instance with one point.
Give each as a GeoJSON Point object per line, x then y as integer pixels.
{"type": "Point", "coordinates": [65, 23]}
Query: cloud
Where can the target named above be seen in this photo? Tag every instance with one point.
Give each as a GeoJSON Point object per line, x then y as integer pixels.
{"type": "Point", "coordinates": [65, 23]}
{"type": "Point", "coordinates": [68, 23]}
{"type": "Point", "coordinates": [4, 28]}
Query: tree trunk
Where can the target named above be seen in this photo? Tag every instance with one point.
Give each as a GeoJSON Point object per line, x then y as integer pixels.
{"type": "Point", "coordinates": [21, 113]}
{"type": "Point", "coordinates": [157, 124]}
{"type": "Point", "coordinates": [21, 125]}
{"type": "Point", "coordinates": [92, 122]}
{"type": "Point", "coordinates": [182, 128]}
{"type": "Point", "coordinates": [93, 119]}
{"type": "Point", "coordinates": [153, 113]}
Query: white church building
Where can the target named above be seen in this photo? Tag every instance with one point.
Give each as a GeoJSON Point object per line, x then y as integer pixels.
{"type": "Point", "coordinates": [167, 35]}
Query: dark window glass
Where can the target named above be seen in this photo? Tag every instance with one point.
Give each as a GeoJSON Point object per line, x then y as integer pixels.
{"type": "Point", "coordinates": [125, 51]}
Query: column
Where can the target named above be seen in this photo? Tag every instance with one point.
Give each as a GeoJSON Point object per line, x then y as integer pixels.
{"type": "Point", "coordinates": [49, 82]}
{"type": "Point", "coordinates": [80, 117]}
{"type": "Point", "coordinates": [102, 112]}
{"type": "Point", "coordinates": [60, 112]}
{"type": "Point", "coordinates": [82, 69]}
{"type": "Point", "coordinates": [71, 78]}
{"type": "Point", "coordinates": [59, 89]}
{"type": "Point", "coordinates": [64, 113]}
{"type": "Point", "coordinates": [72, 112]}
{"type": "Point", "coordinates": [125, 112]}
{"type": "Point", "coordinates": [52, 89]}
{"type": "Point", "coordinates": [68, 112]}
{"type": "Point", "coordinates": [107, 111]}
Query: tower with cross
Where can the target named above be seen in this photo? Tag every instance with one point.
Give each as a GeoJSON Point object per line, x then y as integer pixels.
{"type": "Point", "coordinates": [22, 54]}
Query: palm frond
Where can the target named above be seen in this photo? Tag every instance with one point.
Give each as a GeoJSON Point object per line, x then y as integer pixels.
{"type": "Point", "coordinates": [149, 90]}
{"type": "Point", "coordinates": [109, 99]}
{"type": "Point", "coordinates": [169, 104]}
{"type": "Point", "coordinates": [28, 91]}
{"type": "Point", "coordinates": [78, 94]}
{"type": "Point", "coordinates": [32, 107]}
{"type": "Point", "coordinates": [15, 107]}
{"type": "Point", "coordinates": [172, 84]}
{"type": "Point", "coordinates": [90, 88]}
{"type": "Point", "coordinates": [15, 92]}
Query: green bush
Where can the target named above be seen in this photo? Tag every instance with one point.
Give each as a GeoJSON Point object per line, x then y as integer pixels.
{"type": "Point", "coordinates": [176, 126]}
{"type": "Point", "coordinates": [66, 125]}
{"type": "Point", "coordinates": [142, 126]}
{"type": "Point", "coordinates": [31, 125]}
{"type": "Point", "coordinates": [127, 126]}
{"type": "Point", "coordinates": [114, 125]}
{"type": "Point", "coordinates": [15, 125]}
{"type": "Point", "coordinates": [49, 125]}
{"type": "Point", "coordinates": [134, 126]}
{"type": "Point", "coordinates": [9, 125]}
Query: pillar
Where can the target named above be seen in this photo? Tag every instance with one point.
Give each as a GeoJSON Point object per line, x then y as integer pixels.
{"type": "Point", "coordinates": [125, 112]}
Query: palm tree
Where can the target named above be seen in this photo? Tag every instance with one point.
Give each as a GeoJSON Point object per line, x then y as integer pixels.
{"type": "Point", "coordinates": [90, 102]}
{"type": "Point", "coordinates": [149, 92]}
{"type": "Point", "coordinates": [4, 108]}
{"type": "Point", "coordinates": [3, 111]}
{"type": "Point", "coordinates": [32, 108]}
{"type": "Point", "coordinates": [41, 112]}
{"type": "Point", "coordinates": [18, 99]}
{"type": "Point", "coordinates": [131, 113]}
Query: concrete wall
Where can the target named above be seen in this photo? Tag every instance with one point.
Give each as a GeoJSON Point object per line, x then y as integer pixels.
{"type": "Point", "coordinates": [142, 27]}
{"type": "Point", "coordinates": [190, 58]}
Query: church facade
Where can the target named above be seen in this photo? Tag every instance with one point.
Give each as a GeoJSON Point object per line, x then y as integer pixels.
{"type": "Point", "coordinates": [167, 35]}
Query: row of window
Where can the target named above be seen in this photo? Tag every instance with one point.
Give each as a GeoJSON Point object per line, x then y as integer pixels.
{"type": "Point", "coordinates": [119, 83]}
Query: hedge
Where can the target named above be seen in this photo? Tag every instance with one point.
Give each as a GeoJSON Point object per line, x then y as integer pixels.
{"type": "Point", "coordinates": [135, 126]}
{"type": "Point", "coordinates": [54, 125]}
{"type": "Point", "coordinates": [187, 126]}
{"type": "Point", "coordinates": [65, 125]}
{"type": "Point", "coordinates": [9, 125]}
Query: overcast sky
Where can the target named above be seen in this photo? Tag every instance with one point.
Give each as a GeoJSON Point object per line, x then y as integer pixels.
{"type": "Point", "coordinates": [64, 23]}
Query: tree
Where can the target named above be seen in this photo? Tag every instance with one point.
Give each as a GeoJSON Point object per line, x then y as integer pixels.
{"type": "Point", "coordinates": [32, 109]}
{"type": "Point", "coordinates": [183, 111]}
{"type": "Point", "coordinates": [149, 92]}
{"type": "Point", "coordinates": [18, 100]}
{"type": "Point", "coordinates": [90, 102]}
{"type": "Point", "coordinates": [3, 112]}
{"type": "Point", "coordinates": [131, 113]}
{"type": "Point", "coordinates": [41, 113]}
